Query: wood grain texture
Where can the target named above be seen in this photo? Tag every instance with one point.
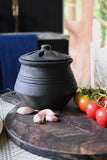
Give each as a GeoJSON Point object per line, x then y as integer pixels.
{"type": "Point", "coordinates": [73, 137]}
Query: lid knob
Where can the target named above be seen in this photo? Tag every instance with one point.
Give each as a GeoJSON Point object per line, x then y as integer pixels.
{"type": "Point", "coordinates": [46, 46]}
{"type": "Point", "coordinates": [45, 55]}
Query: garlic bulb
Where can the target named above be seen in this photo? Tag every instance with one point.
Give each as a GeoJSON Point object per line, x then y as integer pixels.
{"type": "Point", "coordinates": [26, 110]}
{"type": "Point", "coordinates": [51, 118]}
{"type": "Point", "coordinates": [39, 118]}
{"type": "Point", "coordinates": [47, 112]}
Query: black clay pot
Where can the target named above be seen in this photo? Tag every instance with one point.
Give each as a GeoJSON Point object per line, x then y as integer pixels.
{"type": "Point", "coordinates": [45, 79]}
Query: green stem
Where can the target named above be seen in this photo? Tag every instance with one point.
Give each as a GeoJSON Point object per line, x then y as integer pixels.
{"type": "Point", "coordinates": [105, 106]}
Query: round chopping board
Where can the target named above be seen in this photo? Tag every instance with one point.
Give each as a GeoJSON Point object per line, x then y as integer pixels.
{"type": "Point", "coordinates": [74, 136]}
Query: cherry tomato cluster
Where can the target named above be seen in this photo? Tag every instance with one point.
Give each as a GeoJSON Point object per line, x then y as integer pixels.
{"type": "Point", "coordinates": [94, 103]}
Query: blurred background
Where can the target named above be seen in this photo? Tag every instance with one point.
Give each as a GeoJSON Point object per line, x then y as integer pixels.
{"type": "Point", "coordinates": [84, 21]}
{"type": "Point", "coordinates": [31, 16]}
{"type": "Point", "coordinates": [73, 10]}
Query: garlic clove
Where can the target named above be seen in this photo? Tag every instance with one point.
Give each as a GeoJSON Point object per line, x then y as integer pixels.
{"type": "Point", "coordinates": [46, 112]}
{"type": "Point", "coordinates": [39, 118]}
{"type": "Point", "coordinates": [51, 118]}
{"type": "Point", "coordinates": [25, 110]}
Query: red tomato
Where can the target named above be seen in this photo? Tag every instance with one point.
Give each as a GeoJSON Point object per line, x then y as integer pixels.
{"type": "Point", "coordinates": [77, 96]}
{"type": "Point", "coordinates": [91, 108]}
{"type": "Point", "coordinates": [83, 102]}
{"type": "Point", "coordinates": [101, 116]}
{"type": "Point", "coordinates": [104, 101]}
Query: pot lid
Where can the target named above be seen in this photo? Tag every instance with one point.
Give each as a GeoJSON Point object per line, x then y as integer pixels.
{"type": "Point", "coordinates": [45, 54]}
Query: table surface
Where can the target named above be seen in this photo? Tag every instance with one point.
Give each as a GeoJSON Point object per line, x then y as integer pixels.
{"type": "Point", "coordinates": [8, 149]}
{"type": "Point", "coordinates": [93, 141]}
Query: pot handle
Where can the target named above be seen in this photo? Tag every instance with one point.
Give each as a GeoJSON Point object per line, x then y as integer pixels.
{"type": "Point", "coordinates": [45, 47]}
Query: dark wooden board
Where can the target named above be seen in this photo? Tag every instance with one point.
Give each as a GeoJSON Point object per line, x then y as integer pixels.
{"type": "Point", "coordinates": [73, 137]}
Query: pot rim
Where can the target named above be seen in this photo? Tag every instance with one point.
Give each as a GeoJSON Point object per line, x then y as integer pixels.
{"type": "Point", "coordinates": [45, 55]}
{"type": "Point", "coordinates": [45, 62]}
